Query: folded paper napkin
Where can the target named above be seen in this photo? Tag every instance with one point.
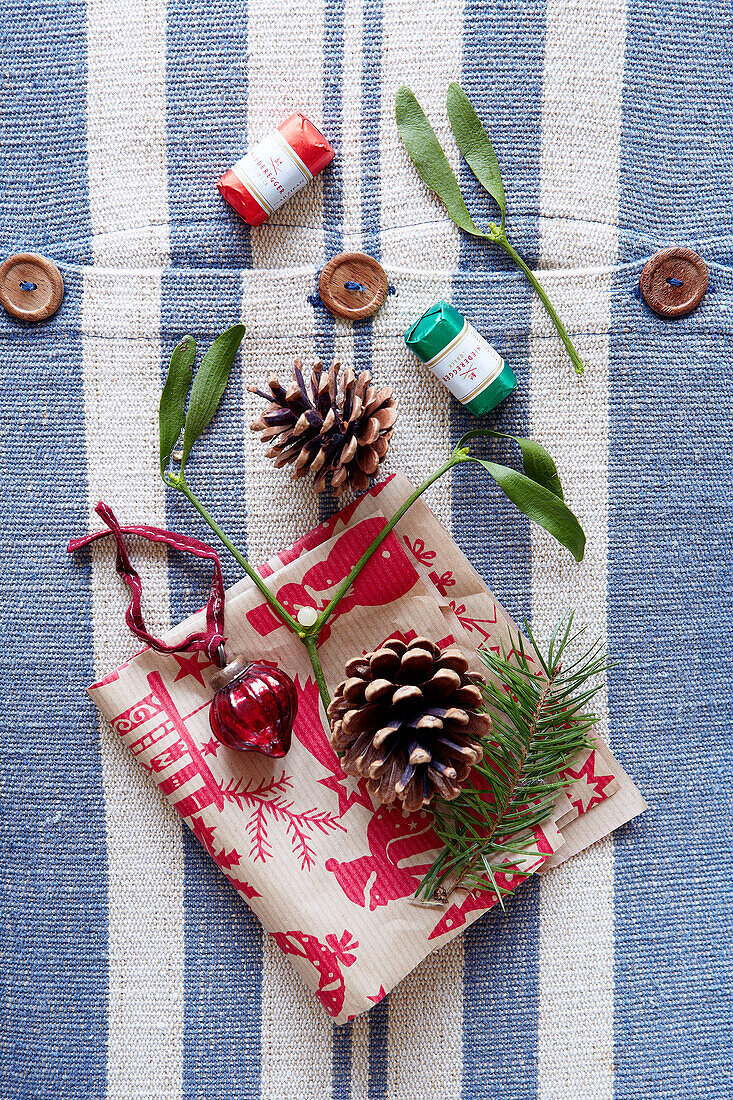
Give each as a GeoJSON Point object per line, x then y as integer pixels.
{"type": "Point", "coordinates": [330, 876]}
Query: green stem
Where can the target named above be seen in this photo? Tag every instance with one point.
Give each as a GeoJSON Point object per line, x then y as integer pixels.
{"type": "Point", "coordinates": [179, 482]}
{"type": "Point", "coordinates": [501, 239]}
{"type": "Point", "coordinates": [310, 642]}
{"type": "Point", "coordinates": [346, 585]}
{"type": "Point", "coordinates": [309, 635]}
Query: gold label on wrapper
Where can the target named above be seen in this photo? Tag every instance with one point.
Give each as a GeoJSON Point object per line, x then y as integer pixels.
{"type": "Point", "coordinates": [272, 172]}
{"type": "Point", "coordinates": [467, 365]}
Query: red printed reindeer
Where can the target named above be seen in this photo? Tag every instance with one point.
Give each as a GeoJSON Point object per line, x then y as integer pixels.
{"type": "Point", "coordinates": [392, 869]}
{"type": "Point", "coordinates": [308, 729]}
{"type": "Point", "coordinates": [327, 958]}
{"type": "Point", "coordinates": [374, 586]}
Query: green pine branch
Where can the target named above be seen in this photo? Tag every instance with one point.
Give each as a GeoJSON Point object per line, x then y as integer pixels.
{"type": "Point", "coordinates": [538, 705]}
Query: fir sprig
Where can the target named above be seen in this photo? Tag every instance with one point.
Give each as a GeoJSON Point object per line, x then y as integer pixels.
{"type": "Point", "coordinates": [436, 173]}
{"type": "Point", "coordinates": [538, 705]}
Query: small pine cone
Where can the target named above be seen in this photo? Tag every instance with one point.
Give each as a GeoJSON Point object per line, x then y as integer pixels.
{"type": "Point", "coordinates": [406, 719]}
{"type": "Point", "coordinates": [333, 426]}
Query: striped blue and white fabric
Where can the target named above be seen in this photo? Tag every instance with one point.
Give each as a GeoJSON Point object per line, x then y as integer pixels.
{"type": "Point", "coordinates": [130, 969]}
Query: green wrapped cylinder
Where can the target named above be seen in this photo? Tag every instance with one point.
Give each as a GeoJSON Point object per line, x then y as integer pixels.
{"type": "Point", "coordinates": [458, 355]}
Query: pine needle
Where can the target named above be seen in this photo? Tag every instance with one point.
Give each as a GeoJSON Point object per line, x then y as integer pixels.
{"type": "Point", "coordinates": [540, 724]}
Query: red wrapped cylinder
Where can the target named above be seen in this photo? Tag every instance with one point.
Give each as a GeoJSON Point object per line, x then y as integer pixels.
{"type": "Point", "coordinates": [276, 169]}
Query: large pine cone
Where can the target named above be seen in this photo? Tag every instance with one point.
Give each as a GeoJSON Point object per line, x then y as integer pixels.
{"type": "Point", "coordinates": [334, 425]}
{"type": "Point", "coordinates": [406, 719]}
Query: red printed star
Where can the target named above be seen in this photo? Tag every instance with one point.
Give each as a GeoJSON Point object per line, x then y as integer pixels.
{"type": "Point", "coordinates": [382, 993]}
{"type": "Point", "coordinates": [209, 748]}
{"type": "Point", "coordinates": [190, 666]}
{"type": "Point", "coordinates": [589, 788]}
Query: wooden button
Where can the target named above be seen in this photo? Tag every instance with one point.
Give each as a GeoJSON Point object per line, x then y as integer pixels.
{"type": "Point", "coordinates": [31, 287]}
{"type": "Point", "coordinates": [353, 285]}
{"type": "Point", "coordinates": [674, 282]}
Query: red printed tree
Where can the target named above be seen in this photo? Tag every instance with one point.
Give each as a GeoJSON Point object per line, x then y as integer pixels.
{"type": "Point", "coordinates": [269, 804]}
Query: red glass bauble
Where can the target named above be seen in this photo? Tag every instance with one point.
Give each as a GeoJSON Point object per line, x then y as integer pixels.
{"type": "Point", "coordinates": [254, 707]}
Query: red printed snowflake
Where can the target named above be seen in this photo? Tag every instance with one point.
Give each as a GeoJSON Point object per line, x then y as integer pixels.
{"type": "Point", "coordinates": [268, 803]}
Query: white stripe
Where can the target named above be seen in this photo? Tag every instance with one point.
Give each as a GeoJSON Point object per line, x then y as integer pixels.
{"type": "Point", "coordinates": [579, 216]}
{"type": "Point", "coordinates": [426, 1010]}
{"type": "Point", "coordinates": [417, 236]}
{"type": "Point", "coordinates": [295, 1061]}
{"type": "Point", "coordinates": [352, 134]}
{"type": "Point", "coordinates": [426, 1029]}
{"type": "Point", "coordinates": [277, 314]}
{"type": "Point", "coordinates": [285, 74]}
{"type": "Point", "coordinates": [126, 132]}
{"type": "Point", "coordinates": [121, 368]}
{"type": "Point", "coordinates": [415, 227]}
{"type": "Point", "coordinates": [126, 141]}
{"type": "Point", "coordinates": [297, 1035]}
{"type": "Point", "coordinates": [281, 80]}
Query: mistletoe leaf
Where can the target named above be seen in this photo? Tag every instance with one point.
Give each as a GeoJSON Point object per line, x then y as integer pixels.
{"type": "Point", "coordinates": [432, 164]}
{"type": "Point", "coordinates": [540, 504]}
{"type": "Point", "coordinates": [428, 157]}
{"type": "Point", "coordinates": [537, 463]}
{"type": "Point", "coordinates": [209, 385]}
{"type": "Point", "coordinates": [474, 143]}
{"type": "Point", "coordinates": [172, 408]}
{"type": "Point", "coordinates": [540, 466]}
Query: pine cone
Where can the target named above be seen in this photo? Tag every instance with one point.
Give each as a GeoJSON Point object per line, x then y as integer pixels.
{"type": "Point", "coordinates": [332, 425]}
{"type": "Point", "coordinates": [406, 719]}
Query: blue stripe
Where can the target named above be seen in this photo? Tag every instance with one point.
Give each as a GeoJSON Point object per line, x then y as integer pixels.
{"type": "Point", "coordinates": [675, 156]}
{"type": "Point", "coordinates": [378, 1034]}
{"type": "Point", "coordinates": [206, 74]}
{"type": "Point", "coordinates": [52, 879]}
{"type": "Point", "coordinates": [333, 78]}
{"type": "Point", "coordinates": [670, 610]}
{"type": "Point", "coordinates": [342, 1038]}
{"type": "Point", "coordinates": [204, 303]}
{"type": "Point", "coordinates": [670, 577]}
{"type": "Point", "coordinates": [371, 109]}
{"type": "Point", "coordinates": [333, 208]}
{"type": "Point", "coordinates": [370, 163]}
{"type": "Point", "coordinates": [44, 203]}
{"type": "Point", "coordinates": [223, 984]}
{"type": "Point", "coordinates": [54, 889]}
{"type": "Point", "coordinates": [502, 74]}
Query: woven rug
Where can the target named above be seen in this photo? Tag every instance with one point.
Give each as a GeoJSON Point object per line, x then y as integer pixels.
{"type": "Point", "coordinates": [130, 969]}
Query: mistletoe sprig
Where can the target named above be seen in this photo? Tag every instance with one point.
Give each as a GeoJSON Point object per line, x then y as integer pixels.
{"type": "Point", "coordinates": [541, 722]}
{"type": "Point", "coordinates": [535, 490]}
{"type": "Point", "coordinates": [436, 173]}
